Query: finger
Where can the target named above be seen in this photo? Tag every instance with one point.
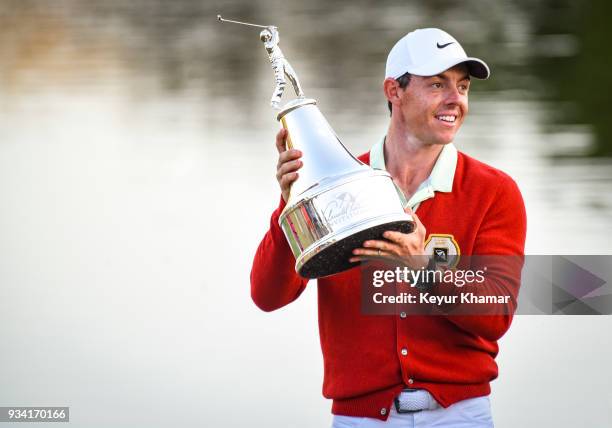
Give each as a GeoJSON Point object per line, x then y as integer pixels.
{"type": "Point", "coordinates": [419, 226]}
{"type": "Point", "coordinates": [369, 257]}
{"type": "Point", "coordinates": [417, 221]}
{"type": "Point", "coordinates": [287, 179]}
{"type": "Point", "coordinates": [356, 259]}
{"type": "Point", "coordinates": [396, 237]}
{"type": "Point", "coordinates": [287, 156]}
{"type": "Point", "coordinates": [281, 140]}
{"type": "Point", "coordinates": [371, 252]}
{"type": "Point", "coordinates": [380, 245]}
{"type": "Point", "coordinates": [364, 258]}
{"type": "Point", "coordinates": [410, 212]}
{"type": "Point", "coordinates": [288, 167]}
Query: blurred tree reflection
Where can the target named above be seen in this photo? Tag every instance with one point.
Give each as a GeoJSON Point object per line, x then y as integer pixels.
{"type": "Point", "coordinates": [573, 63]}
{"type": "Point", "coordinates": [554, 50]}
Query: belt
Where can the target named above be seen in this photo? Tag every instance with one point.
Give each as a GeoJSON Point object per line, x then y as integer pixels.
{"type": "Point", "coordinates": [414, 400]}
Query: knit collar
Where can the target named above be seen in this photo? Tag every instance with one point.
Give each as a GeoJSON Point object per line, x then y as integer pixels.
{"type": "Point", "coordinates": [440, 179]}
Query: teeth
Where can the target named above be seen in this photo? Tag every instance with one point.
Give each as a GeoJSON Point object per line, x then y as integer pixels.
{"type": "Point", "coordinates": [450, 119]}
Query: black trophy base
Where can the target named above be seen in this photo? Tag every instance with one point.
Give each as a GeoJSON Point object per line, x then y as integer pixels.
{"type": "Point", "coordinates": [335, 258]}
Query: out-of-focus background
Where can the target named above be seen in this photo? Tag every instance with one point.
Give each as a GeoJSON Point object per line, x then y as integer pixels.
{"type": "Point", "coordinates": [137, 167]}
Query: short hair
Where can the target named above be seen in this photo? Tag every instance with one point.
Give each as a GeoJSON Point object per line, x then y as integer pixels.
{"type": "Point", "coordinates": [403, 81]}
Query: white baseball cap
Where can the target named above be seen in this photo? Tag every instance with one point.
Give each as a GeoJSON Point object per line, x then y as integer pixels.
{"type": "Point", "coordinates": [428, 52]}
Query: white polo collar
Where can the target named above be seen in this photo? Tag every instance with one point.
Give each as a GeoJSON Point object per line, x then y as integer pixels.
{"type": "Point", "coordinates": [440, 179]}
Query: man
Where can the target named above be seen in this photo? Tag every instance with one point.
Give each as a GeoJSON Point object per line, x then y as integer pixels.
{"type": "Point", "coordinates": [416, 370]}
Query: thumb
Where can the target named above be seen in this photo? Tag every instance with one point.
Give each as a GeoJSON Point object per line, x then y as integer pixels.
{"type": "Point", "coordinates": [415, 217]}
{"type": "Point", "coordinates": [410, 212]}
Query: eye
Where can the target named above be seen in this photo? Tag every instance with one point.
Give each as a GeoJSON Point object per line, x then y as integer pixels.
{"type": "Point", "coordinates": [436, 85]}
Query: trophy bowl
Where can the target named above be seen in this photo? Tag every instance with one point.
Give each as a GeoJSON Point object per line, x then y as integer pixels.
{"type": "Point", "coordinates": [337, 202]}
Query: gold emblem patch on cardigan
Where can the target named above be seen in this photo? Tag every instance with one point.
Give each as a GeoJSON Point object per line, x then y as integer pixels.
{"type": "Point", "coordinates": [443, 248]}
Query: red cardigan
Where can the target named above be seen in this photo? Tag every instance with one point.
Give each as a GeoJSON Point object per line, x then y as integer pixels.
{"type": "Point", "coordinates": [453, 357]}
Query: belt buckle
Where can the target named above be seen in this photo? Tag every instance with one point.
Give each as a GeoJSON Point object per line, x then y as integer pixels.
{"type": "Point", "coordinates": [398, 409]}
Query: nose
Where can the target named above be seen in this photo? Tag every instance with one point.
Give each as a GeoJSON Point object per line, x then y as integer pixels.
{"type": "Point", "coordinates": [453, 96]}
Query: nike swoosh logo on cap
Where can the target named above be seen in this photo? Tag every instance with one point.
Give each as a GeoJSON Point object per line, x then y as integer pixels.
{"type": "Point", "coordinates": [444, 45]}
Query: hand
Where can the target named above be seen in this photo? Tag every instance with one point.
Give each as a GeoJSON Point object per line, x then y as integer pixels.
{"type": "Point", "coordinates": [288, 164]}
{"type": "Point", "coordinates": [406, 248]}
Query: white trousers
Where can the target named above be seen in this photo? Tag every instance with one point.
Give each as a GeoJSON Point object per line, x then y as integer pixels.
{"type": "Point", "coordinates": [470, 413]}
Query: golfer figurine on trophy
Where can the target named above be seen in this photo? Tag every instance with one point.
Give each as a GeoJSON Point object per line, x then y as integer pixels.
{"type": "Point", "coordinates": [337, 202]}
{"type": "Point", "coordinates": [270, 38]}
{"type": "Point", "coordinates": [280, 65]}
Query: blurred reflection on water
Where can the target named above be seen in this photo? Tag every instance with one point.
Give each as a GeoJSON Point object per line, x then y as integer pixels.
{"type": "Point", "coordinates": [137, 177]}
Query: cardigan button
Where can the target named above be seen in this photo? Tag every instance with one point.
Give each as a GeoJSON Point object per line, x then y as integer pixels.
{"type": "Point", "coordinates": [383, 411]}
{"type": "Point", "coordinates": [404, 352]}
{"type": "Point", "coordinates": [402, 314]}
{"type": "Point", "coordinates": [410, 381]}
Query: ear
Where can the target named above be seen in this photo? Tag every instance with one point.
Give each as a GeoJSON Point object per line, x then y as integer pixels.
{"type": "Point", "coordinates": [391, 89]}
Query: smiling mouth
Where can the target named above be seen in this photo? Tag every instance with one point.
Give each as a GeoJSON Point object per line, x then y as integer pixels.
{"type": "Point", "coordinates": [447, 118]}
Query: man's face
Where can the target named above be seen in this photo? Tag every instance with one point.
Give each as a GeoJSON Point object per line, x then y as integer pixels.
{"type": "Point", "coordinates": [433, 108]}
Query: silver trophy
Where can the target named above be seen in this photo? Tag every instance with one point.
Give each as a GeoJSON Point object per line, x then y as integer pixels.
{"type": "Point", "coordinates": [337, 202]}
